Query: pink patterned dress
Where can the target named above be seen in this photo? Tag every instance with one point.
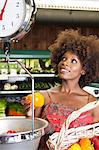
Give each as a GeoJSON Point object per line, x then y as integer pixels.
{"type": "Point", "coordinates": [56, 114]}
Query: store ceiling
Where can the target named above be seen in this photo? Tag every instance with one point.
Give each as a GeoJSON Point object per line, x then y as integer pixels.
{"type": "Point", "coordinates": [71, 12]}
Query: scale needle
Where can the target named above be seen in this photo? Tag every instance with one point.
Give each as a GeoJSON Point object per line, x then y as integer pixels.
{"type": "Point", "coordinates": [2, 11]}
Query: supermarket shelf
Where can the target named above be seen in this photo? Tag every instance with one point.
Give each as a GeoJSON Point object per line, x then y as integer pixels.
{"type": "Point", "coordinates": [16, 92]}
{"type": "Point", "coordinates": [24, 76]}
{"type": "Point", "coordinates": [26, 54]}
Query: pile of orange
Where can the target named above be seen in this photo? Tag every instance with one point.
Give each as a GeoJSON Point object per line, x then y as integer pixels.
{"type": "Point", "coordinates": [38, 99]}
{"type": "Point", "coordinates": [83, 144]}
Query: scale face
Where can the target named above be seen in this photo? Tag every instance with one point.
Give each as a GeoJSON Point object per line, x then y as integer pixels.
{"type": "Point", "coordinates": [15, 18]}
{"type": "Point", "coordinates": [11, 17]}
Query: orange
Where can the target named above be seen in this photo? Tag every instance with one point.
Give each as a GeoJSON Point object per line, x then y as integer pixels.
{"type": "Point", "coordinates": [85, 142]}
{"type": "Point", "coordinates": [91, 147]}
{"type": "Point", "coordinates": [75, 146]}
{"type": "Point", "coordinates": [29, 98]}
{"type": "Point", "coordinates": [38, 99]}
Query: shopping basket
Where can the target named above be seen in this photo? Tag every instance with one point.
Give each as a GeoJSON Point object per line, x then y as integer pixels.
{"type": "Point", "coordinates": [67, 136]}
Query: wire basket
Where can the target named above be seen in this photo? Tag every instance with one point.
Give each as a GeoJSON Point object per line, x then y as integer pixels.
{"type": "Point", "coordinates": [66, 137]}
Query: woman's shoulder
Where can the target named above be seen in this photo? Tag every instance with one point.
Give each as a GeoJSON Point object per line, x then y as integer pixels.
{"type": "Point", "coordinates": [95, 111]}
{"type": "Point", "coordinates": [91, 98]}
{"type": "Point", "coordinates": [48, 93]}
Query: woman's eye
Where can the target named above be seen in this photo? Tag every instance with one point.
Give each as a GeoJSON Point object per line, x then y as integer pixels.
{"type": "Point", "coordinates": [63, 58]}
{"type": "Point", "coordinates": [74, 61]}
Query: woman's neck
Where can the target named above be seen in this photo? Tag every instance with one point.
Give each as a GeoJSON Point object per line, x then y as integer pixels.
{"type": "Point", "coordinates": [70, 87]}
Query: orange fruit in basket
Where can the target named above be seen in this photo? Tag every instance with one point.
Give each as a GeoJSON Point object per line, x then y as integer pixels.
{"type": "Point", "coordinates": [38, 99]}
{"type": "Point", "coordinates": [91, 147]}
{"type": "Point", "coordinates": [88, 148]}
{"type": "Point", "coordinates": [85, 142]}
{"type": "Point", "coordinates": [75, 146]}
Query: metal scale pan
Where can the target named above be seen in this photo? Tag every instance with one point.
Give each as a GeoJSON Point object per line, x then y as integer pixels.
{"type": "Point", "coordinates": [24, 138]}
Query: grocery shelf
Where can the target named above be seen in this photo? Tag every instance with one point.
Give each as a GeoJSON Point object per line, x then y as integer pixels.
{"type": "Point", "coordinates": [26, 54]}
{"type": "Point", "coordinates": [16, 92]}
{"type": "Point", "coordinates": [23, 76]}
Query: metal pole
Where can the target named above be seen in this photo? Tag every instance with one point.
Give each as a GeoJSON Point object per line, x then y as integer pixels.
{"type": "Point", "coordinates": [7, 50]}
{"type": "Point", "coordinates": [32, 78]}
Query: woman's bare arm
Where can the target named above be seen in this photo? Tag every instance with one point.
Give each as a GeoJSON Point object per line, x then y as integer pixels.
{"type": "Point", "coordinates": [95, 110]}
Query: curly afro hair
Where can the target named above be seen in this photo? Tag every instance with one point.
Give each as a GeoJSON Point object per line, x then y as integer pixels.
{"type": "Point", "coordinates": [85, 47]}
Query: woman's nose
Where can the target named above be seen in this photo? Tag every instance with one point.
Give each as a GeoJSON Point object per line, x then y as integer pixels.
{"type": "Point", "coordinates": [65, 62]}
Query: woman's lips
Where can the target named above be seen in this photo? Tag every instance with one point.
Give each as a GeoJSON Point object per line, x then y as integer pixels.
{"type": "Point", "coordinates": [65, 70]}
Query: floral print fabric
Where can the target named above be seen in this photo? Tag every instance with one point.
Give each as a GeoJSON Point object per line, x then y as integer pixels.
{"type": "Point", "coordinates": [56, 114]}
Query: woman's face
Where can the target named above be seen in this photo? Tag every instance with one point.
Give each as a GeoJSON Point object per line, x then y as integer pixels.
{"type": "Point", "coordinates": [70, 67]}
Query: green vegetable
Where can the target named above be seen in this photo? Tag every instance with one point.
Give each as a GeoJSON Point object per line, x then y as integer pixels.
{"type": "Point", "coordinates": [3, 102]}
{"type": "Point", "coordinates": [3, 105]}
{"type": "Point", "coordinates": [18, 107]}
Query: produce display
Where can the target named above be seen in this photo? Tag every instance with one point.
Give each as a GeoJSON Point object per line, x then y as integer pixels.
{"type": "Point", "coordinates": [8, 86]}
{"type": "Point", "coordinates": [39, 84]}
{"type": "Point", "coordinates": [15, 109]}
{"type": "Point", "coordinates": [33, 65]}
{"type": "Point", "coordinates": [11, 108]}
{"type": "Point", "coordinates": [45, 64]}
{"type": "Point", "coordinates": [3, 105]}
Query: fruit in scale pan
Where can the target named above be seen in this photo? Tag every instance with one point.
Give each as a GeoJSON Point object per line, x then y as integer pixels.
{"type": "Point", "coordinates": [38, 99]}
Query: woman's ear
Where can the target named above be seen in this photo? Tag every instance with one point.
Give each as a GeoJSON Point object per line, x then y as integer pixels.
{"type": "Point", "coordinates": [83, 72]}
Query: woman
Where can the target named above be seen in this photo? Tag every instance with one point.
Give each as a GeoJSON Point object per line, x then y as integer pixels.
{"type": "Point", "coordinates": [74, 59]}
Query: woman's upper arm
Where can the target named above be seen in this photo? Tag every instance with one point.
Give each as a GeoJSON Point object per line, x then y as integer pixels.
{"type": "Point", "coordinates": [95, 110]}
{"type": "Point", "coordinates": [96, 114]}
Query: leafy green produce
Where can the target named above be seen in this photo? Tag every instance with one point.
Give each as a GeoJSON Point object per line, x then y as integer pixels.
{"type": "Point", "coordinates": [18, 107]}
{"type": "Point", "coordinates": [3, 102]}
{"type": "Point", "coordinates": [45, 64]}
{"type": "Point", "coordinates": [3, 105]}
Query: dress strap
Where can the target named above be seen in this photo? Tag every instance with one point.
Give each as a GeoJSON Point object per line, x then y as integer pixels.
{"type": "Point", "coordinates": [88, 98]}
{"type": "Point", "coordinates": [49, 95]}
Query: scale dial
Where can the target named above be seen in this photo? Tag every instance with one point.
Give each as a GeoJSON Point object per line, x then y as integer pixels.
{"type": "Point", "coordinates": [14, 17]}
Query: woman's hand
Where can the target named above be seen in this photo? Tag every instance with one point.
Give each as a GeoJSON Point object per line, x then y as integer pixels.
{"type": "Point", "coordinates": [27, 106]}
{"type": "Point", "coordinates": [27, 102]}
